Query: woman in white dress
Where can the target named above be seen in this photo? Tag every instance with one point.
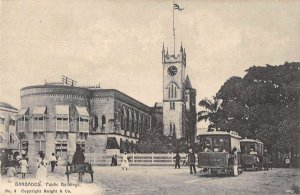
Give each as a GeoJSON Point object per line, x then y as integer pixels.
{"type": "Point", "coordinates": [24, 166]}
{"type": "Point", "coordinates": [125, 163]}
{"type": "Point", "coordinates": [42, 163]}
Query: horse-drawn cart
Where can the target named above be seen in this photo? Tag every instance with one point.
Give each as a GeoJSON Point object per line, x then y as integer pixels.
{"type": "Point", "coordinates": [80, 169]}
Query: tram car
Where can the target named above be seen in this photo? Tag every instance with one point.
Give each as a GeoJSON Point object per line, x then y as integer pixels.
{"type": "Point", "coordinates": [252, 154]}
{"type": "Point", "coordinates": [215, 152]}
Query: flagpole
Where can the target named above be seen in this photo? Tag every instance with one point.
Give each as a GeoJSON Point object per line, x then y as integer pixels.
{"type": "Point", "coordinates": [173, 28]}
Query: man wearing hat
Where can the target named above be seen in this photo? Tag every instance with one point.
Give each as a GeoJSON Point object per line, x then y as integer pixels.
{"type": "Point", "coordinates": [191, 161]}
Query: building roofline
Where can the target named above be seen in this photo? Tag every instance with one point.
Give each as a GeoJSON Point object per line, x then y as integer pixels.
{"type": "Point", "coordinates": [118, 94]}
{"type": "Point", "coordinates": [123, 94]}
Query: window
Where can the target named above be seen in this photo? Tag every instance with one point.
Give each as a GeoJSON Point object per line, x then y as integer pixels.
{"type": "Point", "coordinates": [103, 121]}
{"type": "Point", "coordinates": [24, 146]}
{"type": "Point", "coordinates": [11, 139]}
{"type": "Point", "coordinates": [172, 129]}
{"type": "Point", "coordinates": [62, 123]}
{"type": "Point", "coordinates": [215, 141]}
{"type": "Point", "coordinates": [40, 146]}
{"type": "Point", "coordinates": [61, 148]}
{"type": "Point", "coordinates": [95, 121]}
{"type": "Point", "coordinates": [83, 124]}
{"type": "Point", "coordinates": [172, 90]}
{"type": "Point", "coordinates": [172, 105]}
{"type": "Point", "coordinates": [12, 122]}
{"type": "Point", "coordinates": [22, 123]}
{"type": "Point", "coordinates": [123, 119]}
{"type": "Point", "coordinates": [38, 123]}
{"type": "Point", "coordinates": [129, 120]}
{"type": "Point", "coordinates": [81, 144]}
{"type": "Point", "coordinates": [1, 120]}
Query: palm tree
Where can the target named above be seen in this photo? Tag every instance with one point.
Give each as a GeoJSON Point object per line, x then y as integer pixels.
{"type": "Point", "coordinates": [211, 112]}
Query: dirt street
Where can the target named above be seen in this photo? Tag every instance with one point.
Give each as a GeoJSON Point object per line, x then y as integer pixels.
{"type": "Point", "coordinates": [167, 180]}
{"type": "Point", "coordinates": [162, 180]}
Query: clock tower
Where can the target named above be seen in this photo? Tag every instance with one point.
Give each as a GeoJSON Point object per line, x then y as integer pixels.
{"type": "Point", "coordinates": [173, 93]}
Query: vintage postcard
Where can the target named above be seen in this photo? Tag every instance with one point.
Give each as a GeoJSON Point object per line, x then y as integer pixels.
{"type": "Point", "coordinates": [149, 97]}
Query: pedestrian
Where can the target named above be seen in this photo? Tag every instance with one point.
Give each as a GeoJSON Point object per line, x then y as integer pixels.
{"type": "Point", "coordinates": [113, 161]}
{"type": "Point", "coordinates": [41, 172]}
{"type": "Point", "coordinates": [57, 158]}
{"type": "Point", "coordinates": [185, 160]}
{"type": "Point", "coordinates": [286, 159]}
{"type": "Point", "coordinates": [234, 157]}
{"type": "Point", "coordinates": [116, 160]}
{"type": "Point", "coordinates": [53, 162]}
{"type": "Point", "coordinates": [207, 148]}
{"type": "Point", "coordinates": [177, 160]}
{"type": "Point", "coordinates": [266, 160]}
{"type": "Point", "coordinates": [78, 162]}
{"type": "Point", "coordinates": [24, 166]}
{"type": "Point", "coordinates": [11, 173]}
{"type": "Point", "coordinates": [125, 163]}
{"type": "Point", "coordinates": [191, 161]}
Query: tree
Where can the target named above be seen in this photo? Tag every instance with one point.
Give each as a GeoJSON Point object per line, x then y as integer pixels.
{"type": "Point", "coordinates": [153, 140]}
{"type": "Point", "coordinates": [211, 112]}
{"type": "Point", "coordinates": [264, 105]}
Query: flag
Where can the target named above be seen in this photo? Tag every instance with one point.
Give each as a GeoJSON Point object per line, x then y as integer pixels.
{"type": "Point", "coordinates": [176, 6]}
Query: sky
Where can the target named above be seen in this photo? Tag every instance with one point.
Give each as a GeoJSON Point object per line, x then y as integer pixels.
{"type": "Point", "coordinates": [118, 43]}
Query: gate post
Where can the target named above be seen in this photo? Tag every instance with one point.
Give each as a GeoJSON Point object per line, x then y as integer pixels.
{"type": "Point", "coordinates": [132, 157]}
{"type": "Point", "coordinates": [152, 157]}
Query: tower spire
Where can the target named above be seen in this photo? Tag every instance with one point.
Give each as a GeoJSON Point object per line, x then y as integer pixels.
{"type": "Point", "coordinates": [181, 49]}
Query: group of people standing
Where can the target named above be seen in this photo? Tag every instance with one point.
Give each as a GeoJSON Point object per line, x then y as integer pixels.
{"type": "Point", "coordinates": [21, 162]}
{"type": "Point", "coordinates": [190, 160]}
{"type": "Point", "coordinates": [124, 163]}
{"type": "Point", "coordinates": [17, 160]}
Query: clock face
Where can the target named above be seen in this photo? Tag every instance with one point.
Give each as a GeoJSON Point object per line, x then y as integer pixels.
{"type": "Point", "coordinates": [172, 70]}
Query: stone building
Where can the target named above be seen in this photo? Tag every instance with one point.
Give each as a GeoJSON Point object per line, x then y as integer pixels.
{"type": "Point", "coordinates": [57, 118]}
{"type": "Point", "coordinates": [8, 136]}
{"type": "Point", "coordinates": [157, 115]}
{"type": "Point", "coordinates": [179, 98]}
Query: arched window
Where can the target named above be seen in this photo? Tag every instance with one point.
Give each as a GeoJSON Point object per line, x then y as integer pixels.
{"type": "Point", "coordinates": [95, 121]}
{"type": "Point", "coordinates": [174, 130]}
{"type": "Point", "coordinates": [103, 121]}
{"type": "Point", "coordinates": [123, 118]}
{"type": "Point", "coordinates": [133, 121]}
{"type": "Point", "coordinates": [172, 90]}
{"type": "Point", "coordinates": [139, 124]}
{"type": "Point", "coordinates": [142, 124]}
{"type": "Point", "coordinates": [129, 120]}
{"type": "Point", "coordinates": [146, 123]}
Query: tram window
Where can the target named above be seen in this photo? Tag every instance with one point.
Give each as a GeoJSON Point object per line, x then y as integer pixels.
{"type": "Point", "coordinates": [221, 144]}
{"type": "Point", "coordinates": [216, 143]}
{"type": "Point", "coordinates": [243, 148]}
